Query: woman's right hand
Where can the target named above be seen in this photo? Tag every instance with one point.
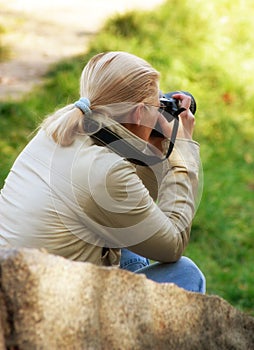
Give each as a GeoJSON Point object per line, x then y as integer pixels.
{"type": "Point", "coordinates": [186, 119]}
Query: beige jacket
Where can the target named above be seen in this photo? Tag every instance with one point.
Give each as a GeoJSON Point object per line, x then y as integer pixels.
{"type": "Point", "coordinates": [75, 200]}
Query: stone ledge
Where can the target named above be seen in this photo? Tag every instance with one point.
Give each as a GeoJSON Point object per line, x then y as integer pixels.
{"type": "Point", "coordinates": [48, 302]}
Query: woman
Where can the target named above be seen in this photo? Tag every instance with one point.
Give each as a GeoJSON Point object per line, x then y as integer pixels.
{"type": "Point", "coordinates": [70, 194]}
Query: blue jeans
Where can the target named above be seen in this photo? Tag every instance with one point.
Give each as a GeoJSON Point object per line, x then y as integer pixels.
{"type": "Point", "coordinates": [184, 273]}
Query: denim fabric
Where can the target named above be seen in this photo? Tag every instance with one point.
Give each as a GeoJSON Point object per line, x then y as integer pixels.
{"type": "Point", "coordinates": [131, 261]}
{"type": "Point", "coordinates": [184, 273]}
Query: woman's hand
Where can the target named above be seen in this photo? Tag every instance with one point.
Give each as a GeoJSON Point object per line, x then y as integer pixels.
{"type": "Point", "coordinates": [186, 118]}
{"type": "Point", "coordinates": [186, 123]}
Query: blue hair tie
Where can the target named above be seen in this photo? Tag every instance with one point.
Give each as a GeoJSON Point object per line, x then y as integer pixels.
{"type": "Point", "coordinates": [83, 104]}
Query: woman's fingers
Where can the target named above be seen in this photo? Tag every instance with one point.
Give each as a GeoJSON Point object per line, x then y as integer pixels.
{"type": "Point", "coordinates": [187, 119]}
{"type": "Point", "coordinates": [185, 100]}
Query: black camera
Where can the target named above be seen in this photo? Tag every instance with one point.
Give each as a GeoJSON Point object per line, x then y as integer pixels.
{"type": "Point", "coordinates": [171, 108]}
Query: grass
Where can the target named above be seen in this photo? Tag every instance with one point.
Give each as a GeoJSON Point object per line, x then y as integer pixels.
{"type": "Point", "coordinates": [204, 48]}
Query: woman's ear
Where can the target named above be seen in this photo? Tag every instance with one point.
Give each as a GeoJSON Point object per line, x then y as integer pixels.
{"type": "Point", "coordinates": [138, 113]}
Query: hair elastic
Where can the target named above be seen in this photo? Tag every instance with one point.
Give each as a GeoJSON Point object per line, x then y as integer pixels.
{"type": "Point", "coordinates": [84, 105]}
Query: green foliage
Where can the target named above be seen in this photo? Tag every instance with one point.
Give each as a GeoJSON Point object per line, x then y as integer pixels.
{"type": "Point", "coordinates": [205, 48]}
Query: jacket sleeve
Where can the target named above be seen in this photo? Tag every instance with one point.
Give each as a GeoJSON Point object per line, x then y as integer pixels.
{"type": "Point", "coordinates": [128, 216]}
{"type": "Point", "coordinates": [175, 196]}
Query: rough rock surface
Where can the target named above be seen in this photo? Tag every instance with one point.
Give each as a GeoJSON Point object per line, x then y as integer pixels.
{"type": "Point", "coordinates": [48, 302]}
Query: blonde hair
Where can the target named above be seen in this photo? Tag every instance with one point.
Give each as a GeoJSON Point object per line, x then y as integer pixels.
{"type": "Point", "coordinates": [114, 82]}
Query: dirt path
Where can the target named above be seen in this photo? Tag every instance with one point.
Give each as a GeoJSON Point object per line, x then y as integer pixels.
{"type": "Point", "coordinates": [41, 33]}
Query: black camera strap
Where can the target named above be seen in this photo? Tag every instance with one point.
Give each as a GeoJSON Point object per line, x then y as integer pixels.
{"type": "Point", "coordinates": [125, 149]}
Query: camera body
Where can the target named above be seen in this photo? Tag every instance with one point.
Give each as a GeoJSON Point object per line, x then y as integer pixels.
{"type": "Point", "coordinates": [172, 105]}
{"type": "Point", "coordinates": [171, 108]}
